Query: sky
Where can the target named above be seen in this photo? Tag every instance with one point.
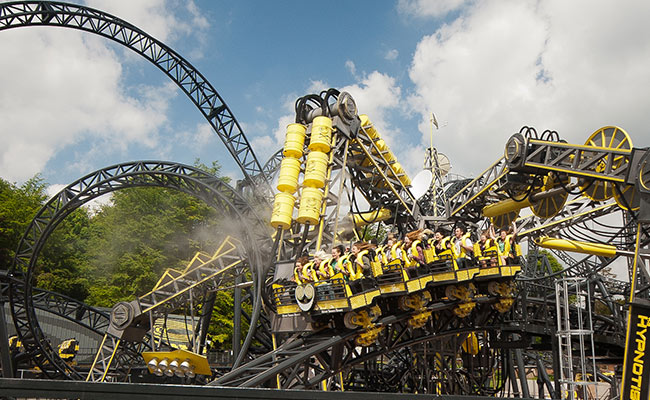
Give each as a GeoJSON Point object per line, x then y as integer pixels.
{"type": "Point", "coordinates": [73, 102]}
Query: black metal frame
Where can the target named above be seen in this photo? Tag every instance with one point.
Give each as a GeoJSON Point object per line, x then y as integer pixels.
{"type": "Point", "coordinates": [336, 350]}
{"type": "Point", "coordinates": [193, 181]}
{"type": "Point", "coordinates": [32, 388]}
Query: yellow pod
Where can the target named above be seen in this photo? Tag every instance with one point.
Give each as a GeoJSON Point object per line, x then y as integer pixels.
{"type": "Point", "coordinates": [289, 172]}
{"type": "Point", "coordinates": [381, 145]}
{"type": "Point", "coordinates": [385, 151]}
{"type": "Point", "coordinates": [368, 126]}
{"type": "Point", "coordinates": [321, 134]}
{"type": "Point", "coordinates": [401, 174]}
{"type": "Point", "coordinates": [406, 181]}
{"type": "Point", "coordinates": [397, 167]}
{"type": "Point", "coordinates": [363, 219]}
{"type": "Point", "coordinates": [365, 121]}
{"type": "Point", "coordinates": [316, 169]}
{"type": "Point", "coordinates": [311, 200]}
{"type": "Point", "coordinates": [294, 140]}
{"type": "Point", "coordinates": [282, 210]}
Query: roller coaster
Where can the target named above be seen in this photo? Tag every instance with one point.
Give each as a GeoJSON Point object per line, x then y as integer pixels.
{"type": "Point", "coordinates": [434, 309]}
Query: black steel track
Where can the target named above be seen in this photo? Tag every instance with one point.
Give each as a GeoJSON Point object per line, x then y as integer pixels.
{"type": "Point", "coordinates": [66, 307]}
{"type": "Point", "coordinates": [178, 69]}
{"type": "Point", "coordinates": [209, 188]}
{"type": "Point", "coordinates": [289, 359]}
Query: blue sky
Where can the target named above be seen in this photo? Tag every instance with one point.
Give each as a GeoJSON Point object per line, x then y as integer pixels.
{"type": "Point", "coordinates": [73, 103]}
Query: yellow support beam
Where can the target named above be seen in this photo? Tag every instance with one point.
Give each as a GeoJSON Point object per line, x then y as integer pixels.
{"type": "Point", "coordinates": [596, 249]}
{"type": "Point", "coordinates": [505, 206]}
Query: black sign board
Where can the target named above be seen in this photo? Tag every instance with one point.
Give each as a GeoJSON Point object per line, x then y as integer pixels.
{"type": "Point", "coordinates": [636, 368]}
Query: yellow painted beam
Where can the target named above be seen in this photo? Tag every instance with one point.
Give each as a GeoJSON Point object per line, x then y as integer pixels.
{"type": "Point", "coordinates": [504, 207]}
{"type": "Point", "coordinates": [596, 249]}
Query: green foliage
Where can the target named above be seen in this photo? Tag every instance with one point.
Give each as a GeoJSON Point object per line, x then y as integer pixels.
{"type": "Point", "coordinates": [554, 263]}
{"type": "Point", "coordinates": [63, 264]}
{"type": "Point", "coordinates": [222, 322]}
{"type": "Point", "coordinates": [601, 308]}
{"type": "Point", "coordinates": [143, 232]}
{"type": "Point", "coordinates": [377, 231]}
{"type": "Point", "coordinates": [121, 250]}
{"type": "Point", "coordinates": [18, 206]}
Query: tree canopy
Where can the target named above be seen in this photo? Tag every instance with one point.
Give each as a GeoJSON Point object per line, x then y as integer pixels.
{"type": "Point", "coordinates": [118, 251]}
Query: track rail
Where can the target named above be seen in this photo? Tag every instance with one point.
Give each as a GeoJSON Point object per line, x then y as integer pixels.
{"type": "Point", "coordinates": [304, 361]}
{"type": "Point", "coordinates": [209, 188]}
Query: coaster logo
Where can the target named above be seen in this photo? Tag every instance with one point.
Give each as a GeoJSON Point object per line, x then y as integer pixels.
{"type": "Point", "coordinates": [639, 353]}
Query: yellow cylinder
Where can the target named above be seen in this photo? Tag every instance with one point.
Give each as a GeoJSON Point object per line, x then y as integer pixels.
{"type": "Point", "coordinates": [596, 249]}
{"type": "Point", "coordinates": [367, 125]}
{"type": "Point", "coordinates": [406, 181]}
{"type": "Point", "coordinates": [397, 167]}
{"type": "Point", "coordinates": [369, 217]}
{"type": "Point", "coordinates": [504, 207]}
{"type": "Point", "coordinates": [289, 171]}
{"type": "Point", "coordinates": [381, 145]}
{"type": "Point", "coordinates": [294, 140]}
{"type": "Point", "coordinates": [282, 210]}
{"type": "Point", "coordinates": [321, 134]}
{"type": "Point", "coordinates": [311, 201]}
{"type": "Point", "coordinates": [364, 120]}
{"type": "Point", "coordinates": [316, 169]}
{"type": "Point", "coordinates": [401, 174]}
{"type": "Point", "coordinates": [385, 151]}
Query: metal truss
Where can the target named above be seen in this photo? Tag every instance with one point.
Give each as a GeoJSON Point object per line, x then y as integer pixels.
{"type": "Point", "coordinates": [306, 361]}
{"type": "Point", "coordinates": [66, 307]}
{"type": "Point", "coordinates": [272, 165]}
{"type": "Point", "coordinates": [180, 177]}
{"type": "Point", "coordinates": [178, 69]}
{"type": "Point", "coordinates": [434, 202]}
{"type": "Point", "coordinates": [577, 210]}
{"type": "Point", "coordinates": [470, 199]}
{"type": "Point", "coordinates": [71, 309]}
{"type": "Point", "coordinates": [608, 164]}
{"type": "Point", "coordinates": [378, 182]}
{"type": "Point", "coordinates": [172, 292]}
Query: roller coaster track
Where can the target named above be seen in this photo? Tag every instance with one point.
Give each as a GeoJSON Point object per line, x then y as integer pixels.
{"type": "Point", "coordinates": [212, 190]}
{"type": "Point", "coordinates": [178, 69]}
{"type": "Point", "coordinates": [304, 361]}
{"type": "Point", "coordinates": [175, 289]}
{"type": "Point", "coordinates": [72, 310]}
{"type": "Point", "coordinates": [202, 94]}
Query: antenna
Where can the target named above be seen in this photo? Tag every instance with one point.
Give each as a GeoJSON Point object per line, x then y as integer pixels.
{"type": "Point", "coordinates": [437, 165]}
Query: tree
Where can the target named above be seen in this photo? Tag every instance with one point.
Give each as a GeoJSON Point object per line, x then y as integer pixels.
{"type": "Point", "coordinates": [553, 262]}
{"type": "Point", "coordinates": [18, 206]}
{"type": "Point", "coordinates": [62, 265]}
{"type": "Point", "coordinates": [144, 231]}
{"type": "Point", "coordinates": [119, 252]}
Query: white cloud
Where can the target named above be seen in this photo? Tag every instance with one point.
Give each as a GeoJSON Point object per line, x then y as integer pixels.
{"type": "Point", "coordinates": [60, 85]}
{"type": "Point", "coordinates": [349, 65]}
{"type": "Point", "coordinates": [63, 86]}
{"type": "Point", "coordinates": [314, 87]}
{"type": "Point", "coordinates": [503, 65]}
{"type": "Point", "coordinates": [54, 189]}
{"type": "Point", "coordinates": [376, 95]}
{"type": "Point", "coordinates": [153, 16]}
{"type": "Point", "coordinates": [200, 137]}
{"type": "Point", "coordinates": [391, 54]}
{"type": "Point", "coordinates": [281, 130]}
{"type": "Point", "coordinates": [428, 8]}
